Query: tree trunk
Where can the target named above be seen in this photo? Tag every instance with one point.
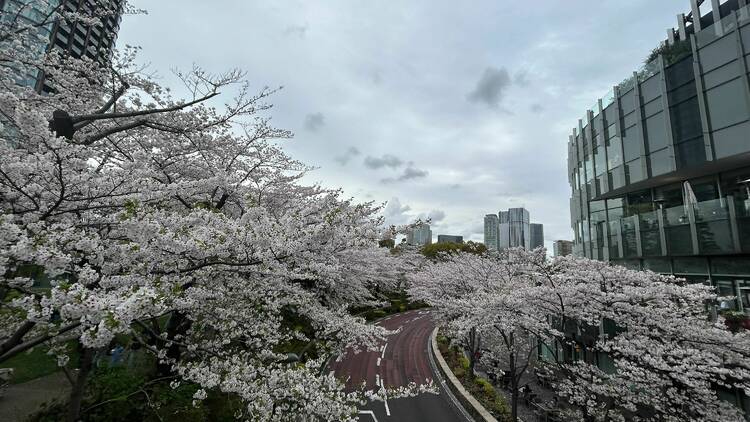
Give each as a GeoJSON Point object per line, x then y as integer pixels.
{"type": "Point", "coordinates": [76, 396]}
{"type": "Point", "coordinates": [175, 325]}
{"type": "Point", "coordinates": [474, 345]}
{"type": "Point", "coordinates": [513, 388]}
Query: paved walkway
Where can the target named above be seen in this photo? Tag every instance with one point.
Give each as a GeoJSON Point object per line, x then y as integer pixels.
{"type": "Point", "coordinates": [22, 400]}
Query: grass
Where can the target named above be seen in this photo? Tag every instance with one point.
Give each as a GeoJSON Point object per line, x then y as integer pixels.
{"type": "Point", "coordinates": [35, 363]}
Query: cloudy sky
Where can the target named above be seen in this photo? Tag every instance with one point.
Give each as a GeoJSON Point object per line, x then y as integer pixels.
{"type": "Point", "coordinates": [445, 109]}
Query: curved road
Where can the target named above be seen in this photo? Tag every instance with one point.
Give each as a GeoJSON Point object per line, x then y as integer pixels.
{"type": "Point", "coordinates": [404, 358]}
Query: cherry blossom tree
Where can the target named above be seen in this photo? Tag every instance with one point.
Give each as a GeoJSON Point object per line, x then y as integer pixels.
{"type": "Point", "coordinates": [667, 358]}
{"type": "Point", "coordinates": [621, 344]}
{"type": "Point", "coordinates": [484, 303]}
{"type": "Point", "coordinates": [178, 224]}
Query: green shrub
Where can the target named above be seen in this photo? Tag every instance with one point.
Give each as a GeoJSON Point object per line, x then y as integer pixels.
{"type": "Point", "coordinates": [459, 372]}
{"type": "Point", "coordinates": [375, 314]}
{"type": "Point", "coordinates": [501, 408]}
{"type": "Point", "coordinates": [464, 362]}
{"type": "Point", "coordinates": [487, 388]}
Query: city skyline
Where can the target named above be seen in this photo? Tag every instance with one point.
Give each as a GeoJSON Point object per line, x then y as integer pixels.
{"type": "Point", "coordinates": [512, 229]}
{"type": "Point", "coordinates": [384, 112]}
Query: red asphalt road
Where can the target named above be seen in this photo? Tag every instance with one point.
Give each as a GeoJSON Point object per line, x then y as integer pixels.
{"type": "Point", "coordinates": [404, 360]}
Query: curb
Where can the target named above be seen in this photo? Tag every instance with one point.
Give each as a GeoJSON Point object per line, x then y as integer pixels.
{"type": "Point", "coordinates": [457, 384]}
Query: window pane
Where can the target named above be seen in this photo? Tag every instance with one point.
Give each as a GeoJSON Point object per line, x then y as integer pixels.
{"type": "Point", "coordinates": [690, 266]}
{"type": "Point", "coordinates": [661, 162]}
{"type": "Point", "coordinates": [614, 152]}
{"type": "Point", "coordinates": [690, 153]}
{"type": "Point", "coordinates": [600, 163]}
{"type": "Point", "coordinates": [686, 120]}
{"type": "Point", "coordinates": [634, 171]}
{"type": "Point", "coordinates": [725, 106]}
{"type": "Point", "coordinates": [656, 132]}
{"type": "Point", "coordinates": [631, 141]}
{"type": "Point", "coordinates": [657, 265]}
{"type": "Point", "coordinates": [617, 178]}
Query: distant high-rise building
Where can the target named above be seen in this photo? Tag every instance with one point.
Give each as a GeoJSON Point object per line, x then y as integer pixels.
{"type": "Point", "coordinates": [444, 238]}
{"type": "Point", "coordinates": [419, 235]}
{"type": "Point", "coordinates": [537, 236]}
{"type": "Point", "coordinates": [562, 247]}
{"type": "Point", "coordinates": [78, 39]}
{"type": "Point", "coordinates": [491, 232]}
{"type": "Point", "coordinates": [514, 229]}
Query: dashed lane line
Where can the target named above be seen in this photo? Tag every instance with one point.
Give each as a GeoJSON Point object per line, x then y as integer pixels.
{"type": "Point", "coordinates": [369, 412]}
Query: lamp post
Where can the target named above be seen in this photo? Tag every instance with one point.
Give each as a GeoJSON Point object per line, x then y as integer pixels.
{"type": "Point", "coordinates": [62, 124]}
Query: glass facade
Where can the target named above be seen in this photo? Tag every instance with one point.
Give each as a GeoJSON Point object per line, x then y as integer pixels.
{"type": "Point", "coordinates": [659, 169]}
{"type": "Point", "coordinates": [76, 38]}
{"type": "Point", "coordinates": [513, 229]}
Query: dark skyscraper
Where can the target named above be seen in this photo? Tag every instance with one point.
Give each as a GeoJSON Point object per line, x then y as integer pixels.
{"type": "Point", "coordinates": [537, 236]}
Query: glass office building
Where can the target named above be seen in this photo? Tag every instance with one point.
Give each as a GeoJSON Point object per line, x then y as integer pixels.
{"type": "Point", "coordinates": [78, 39]}
{"type": "Point", "coordinates": [562, 248]}
{"type": "Point", "coordinates": [512, 229]}
{"type": "Point", "coordinates": [419, 235]}
{"type": "Point", "coordinates": [491, 227]}
{"type": "Point", "coordinates": [660, 167]}
{"type": "Point", "coordinates": [537, 236]}
{"type": "Point", "coordinates": [444, 238]}
{"type": "Point", "coordinates": [515, 229]}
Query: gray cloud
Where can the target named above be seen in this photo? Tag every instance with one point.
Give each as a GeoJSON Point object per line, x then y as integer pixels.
{"type": "Point", "coordinates": [413, 112]}
{"type": "Point", "coordinates": [537, 108]}
{"type": "Point", "coordinates": [386, 160]}
{"type": "Point", "coordinates": [435, 216]}
{"type": "Point", "coordinates": [347, 156]}
{"type": "Point", "coordinates": [296, 30]}
{"type": "Point", "coordinates": [395, 213]}
{"type": "Point", "coordinates": [314, 121]}
{"type": "Point", "coordinates": [491, 87]}
{"type": "Point", "coordinates": [409, 173]}
{"type": "Point", "coordinates": [521, 78]}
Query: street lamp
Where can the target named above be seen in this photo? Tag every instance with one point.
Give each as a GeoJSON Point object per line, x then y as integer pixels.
{"type": "Point", "coordinates": [62, 124]}
{"type": "Point", "coordinates": [659, 202]}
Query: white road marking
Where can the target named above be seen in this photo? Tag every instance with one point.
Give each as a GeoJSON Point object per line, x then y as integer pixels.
{"type": "Point", "coordinates": [369, 412]}
{"type": "Point", "coordinates": [382, 355]}
{"type": "Point", "coordinates": [377, 380]}
{"type": "Point", "coordinates": [378, 364]}
{"type": "Point", "coordinates": [331, 374]}
{"type": "Point", "coordinates": [385, 400]}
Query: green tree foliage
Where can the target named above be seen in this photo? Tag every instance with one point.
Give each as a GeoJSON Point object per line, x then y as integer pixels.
{"type": "Point", "coordinates": [435, 250]}
{"type": "Point", "coordinates": [671, 53]}
{"type": "Point", "coordinates": [387, 243]}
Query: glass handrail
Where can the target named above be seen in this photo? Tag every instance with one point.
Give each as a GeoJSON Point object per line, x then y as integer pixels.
{"type": "Point", "coordinates": [715, 209]}
{"type": "Point", "coordinates": [676, 216]}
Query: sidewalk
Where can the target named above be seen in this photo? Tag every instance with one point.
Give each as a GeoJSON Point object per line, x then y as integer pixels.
{"type": "Point", "coordinates": [22, 400]}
